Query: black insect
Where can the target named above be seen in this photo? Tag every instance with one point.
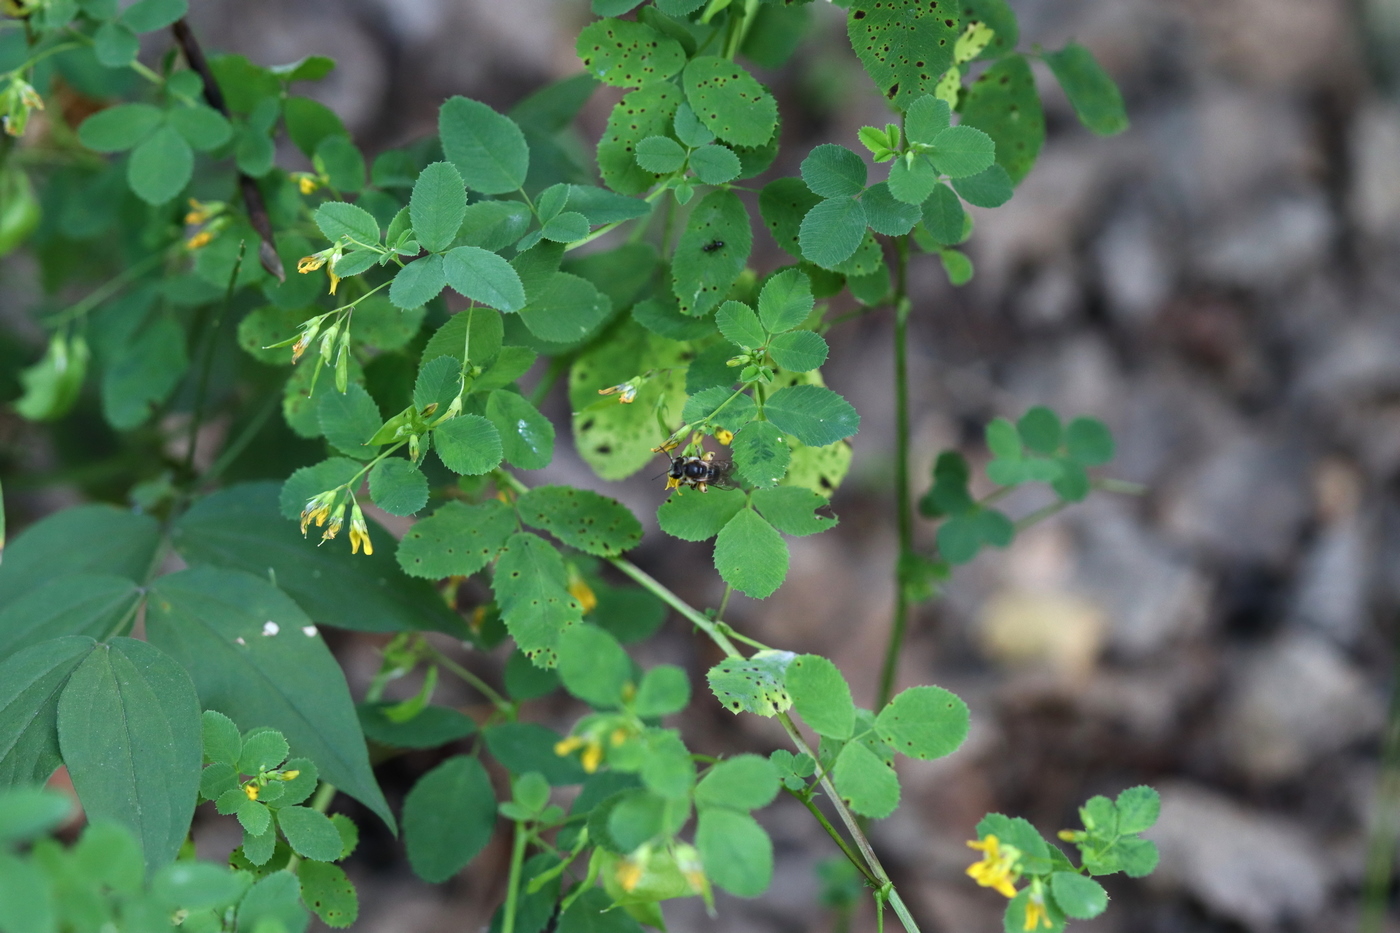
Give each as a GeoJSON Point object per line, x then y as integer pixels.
{"type": "Point", "coordinates": [698, 472]}
{"type": "Point", "coordinates": [711, 246]}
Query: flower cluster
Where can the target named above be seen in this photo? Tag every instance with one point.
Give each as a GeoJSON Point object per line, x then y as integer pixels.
{"type": "Point", "coordinates": [323, 509]}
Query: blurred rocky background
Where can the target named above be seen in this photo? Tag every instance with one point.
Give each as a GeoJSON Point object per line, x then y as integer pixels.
{"type": "Point", "coordinates": [1221, 285]}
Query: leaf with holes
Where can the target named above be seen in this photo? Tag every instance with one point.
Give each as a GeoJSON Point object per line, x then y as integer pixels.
{"type": "Point", "coordinates": [532, 590]}
{"type": "Point", "coordinates": [923, 723]}
{"type": "Point", "coordinates": [456, 540]}
{"type": "Point", "coordinates": [642, 113]}
{"type": "Point", "coordinates": [905, 45]}
{"type": "Point", "coordinates": [628, 54]}
{"type": "Point", "coordinates": [729, 102]}
{"type": "Point", "coordinates": [701, 270]}
{"type": "Point", "coordinates": [753, 684]}
{"type": "Point", "coordinates": [581, 519]}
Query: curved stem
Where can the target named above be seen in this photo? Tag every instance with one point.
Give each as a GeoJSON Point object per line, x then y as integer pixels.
{"type": "Point", "coordinates": [903, 506]}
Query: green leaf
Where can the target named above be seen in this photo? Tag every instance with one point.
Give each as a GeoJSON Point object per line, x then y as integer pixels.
{"type": "Point", "coordinates": [438, 206]}
{"type": "Point", "coordinates": [272, 903]}
{"type": "Point", "coordinates": [488, 149]}
{"type": "Point", "coordinates": [262, 748]}
{"type": "Point", "coordinates": [990, 188]}
{"type": "Point", "coordinates": [832, 231]}
{"type": "Point", "coordinates": [161, 166]}
{"type": "Point", "coordinates": [115, 45]}
{"type": "Point", "coordinates": [148, 370]}
{"type": "Point", "coordinates": [761, 454]}
{"type": "Point", "coordinates": [202, 127]}
{"type": "Point", "coordinates": [601, 206]}
{"type": "Point", "coordinates": [337, 219]}
{"type": "Point", "coordinates": [468, 444]}
{"type": "Point", "coordinates": [834, 172]}
{"type": "Point", "coordinates": [867, 784]}
{"type": "Point", "coordinates": [642, 113]}
{"type": "Point", "coordinates": [448, 818]}
{"type": "Point", "coordinates": [709, 405]}
{"type": "Point", "coordinates": [1072, 484]}
{"type": "Point", "coordinates": [886, 214]}
{"type": "Point", "coordinates": [437, 384]}
{"type": "Point", "coordinates": [702, 272]}
{"type": "Point", "coordinates": [664, 690]}
{"type": "Point", "coordinates": [1138, 809]}
{"type": "Point", "coordinates": [660, 154]}
{"type": "Point", "coordinates": [398, 487]}
{"type": "Point", "coordinates": [26, 812]}
{"type": "Point", "coordinates": [114, 540]}
{"type": "Point", "coordinates": [1004, 104]}
{"type": "Point", "coordinates": [785, 301]}
{"type": "Point", "coordinates": [527, 437]}
{"type": "Point", "coordinates": [739, 325]}
{"type": "Point", "coordinates": [196, 885]}
{"type": "Point", "coordinates": [1079, 897]}
{"type": "Point", "coordinates": [485, 277]}
{"type": "Point", "coordinates": [220, 738]}
{"type": "Point", "coordinates": [329, 893]}
{"type": "Point", "coordinates": [129, 728]}
{"type": "Point", "coordinates": [905, 45]}
{"type": "Point", "coordinates": [150, 15]}
{"type": "Point", "coordinates": [1138, 857]}
{"type": "Point", "coordinates": [800, 351]}
{"type": "Point", "coordinates": [735, 851]}
{"type": "Point", "coordinates": [349, 420]}
{"type": "Point", "coordinates": [715, 164]}
{"type": "Point", "coordinates": [96, 605]}
{"type": "Point", "coordinates": [309, 122]}
{"type": "Point", "coordinates": [532, 591]}
{"type": "Point", "coordinates": [582, 519]}
{"type": "Point", "coordinates": [695, 517]}
{"type": "Point", "coordinates": [1003, 440]}
{"type": "Point", "coordinates": [783, 204]}
{"type": "Point", "coordinates": [815, 415]}
{"type": "Point", "coordinates": [944, 216]}
{"type": "Point", "coordinates": [215, 623]}
{"type": "Point", "coordinates": [628, 54]}
{"type": "Point", "coordinates": [457, 540]}
{"type": "Point", "coordinates": [790, 508]}
{"type": "Point", "coordinates": [912, 180]}
{"type": "Point", "coordinates": [923, 723]}
{"type": "Point", "coordinates": [566, 310]}
{"type": "Point", "coordinates": [593, 666]}
{"type": "Point", "coordinates": [949, 495]}
{"type": "Point", "coordinates": [926, 118]}
{"type": "Point", "coordinates": [1089, 442]}
{"type": "Point", "coordinates": [744, 782]}
{"type": "Point", "coordinates": [311, 834]}
{"type": "Point", "coordinates": [567, 227]}
{"type": "Point", "coordinates": [433, 726]}
{"type": "Point", "coordinates": [522, 747]}
{"type": "Point", "coordinates": [1040, 430]}
{"type": "Point", "coordinates": [751, 556]}
{"type": "Point", "coordinates": [31, 682]}
{"type": "Point", "coordinates": [1096, 99]}
{"type": "Point", "coordinates": [957, 266]}
{"type": "Point", "coordinates": [960, 151]}
{"type": "Point", "coordinates": [494, 225]}
{"type": "Point", "coordinates": [475, 332]}
{"type": "Point", "coordinates": [821, 696]}
{"type": "Point", "coordinates": [753, 684]}
{"type": "Point", "coordinates": [119, 128]}
{"type": "Point", "coordinates": [729, 102]}
{"type": "Point", "coordinates": [1000, 18]}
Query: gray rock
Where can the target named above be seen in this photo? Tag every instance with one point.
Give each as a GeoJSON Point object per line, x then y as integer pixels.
{"type": "Point", "coordinates": [1276, 243]}
{"type": "Point", "coordinates": [1331, 589]}
{"type": "Point", "coordinates": [1242, 864]}
{"type": "Point", "coordinates": [1375, 184]}
{"type": "Point", "coordinates": [1293, 702]}
{"type": "Point", "coordinates": [1134, 265]}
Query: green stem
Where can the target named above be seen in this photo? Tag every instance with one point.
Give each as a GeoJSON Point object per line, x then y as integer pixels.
{"type": "Point", "coordinates": [850, 854]}
{"type": "Point", "coordinates": [904, 508]}
{"type": "Point", "coordinates": [649, 582]}
{"type": "Point", "coordinates": [206, 363]}
{"type": "Point", "coordinates": [1380, 855]}
{"type": "Point", "coordinates": [500, 702]}
{"type": "Point", "coordinates": [517, 862]}
{"type": "Point", "coordinates": [103, 292]}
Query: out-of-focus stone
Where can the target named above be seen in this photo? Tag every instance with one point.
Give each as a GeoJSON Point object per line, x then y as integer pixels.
{"type": "Point", "coordinates": [1274, 244]}
{"type": "Point", "coordinates": [1242, 864]}
{"type": "Point", "coordinates": [1375, 183]}
{"type": "Point", "coordinates": [1151, 593]}
{"type": "Point", "coordinates": [1245, 502]}
{"type": "Point", "coordinates": [1054, 629]}
{"type": "Point", "coordinates": [1293, 702]}
{"type": "Point", "coordinates": [1331, 592]}
{"type": "Point", "coordinates": [1245, 38]}
{"type": "Point", "coordinates": [1134, 266]}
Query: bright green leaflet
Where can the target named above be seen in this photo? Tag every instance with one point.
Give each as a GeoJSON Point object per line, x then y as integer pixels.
{"type": "Point", "coordinates": [398, 487]}
{"type": "Point", "coordinates": [744, 782]}
{"type": "Point", "coordinates": [694, 516]}
{"type": "Point", "coordinates": [832, 231]}
{"type": "Point", "coordinates": [593, 666]}
{"type": "Point", "coordinates": [129, 728]}
{"type": "Point", "coordinates": [790, 509]}
{"type": "Point", "coordinates": [527, 437]}
{"type": "Point", "coordinates": [663, 690]}
{"type": "Point", "coordinates": [329, 893]}
{"type": "Point", "coordinates": [785, 301]}
{"type": "Point", "coordinates": [531, 588]}
{"type": "Point", "coordinates": [438, 205]}
{"type": "Point", "coordinates": [739, 325]}
{"type": "Point", "coordinates": [581, 519]}
{"type": "Point", "coordinates": [800, 351]}
{"type": "Point", "coordinates": [736, 852]}
{"type": "Point", "coordinates": [833, 171]}
{"type": "Point", "coordinates": [867, 784]}
{"type": "Point", "coordinates": [821, 696]}
{"type": "Point", "coordinates": [468, 444]}
{"type": "Point", "coordinates": [161, 166]}
{"type": "Point", "coordinates": [750, 555]}
{"type": "Point", "coordinates": [923, 722]}
{"type": "Point", "coordinates": [815, 415]}
{"type": "Point", "coordinates": [349, 420]}
{"type": "Point", "coordinates": [761, 454]}
{"type": "Point", "coordinates": [215, 623]}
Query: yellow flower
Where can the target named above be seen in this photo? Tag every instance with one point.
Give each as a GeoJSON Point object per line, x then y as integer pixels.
{"type": "Point", "coordinates": [1036, 914]}
{"type": "Point", "coordinates": [335, 280]}
{"type": "Point", "coordinates": [619, 735]}
{"type": "Point", "coordinates": [306, 182]}
{"type": "Point", "coordinates": [592, 756]}
{"type": "Point", "coordinates": [997, 868]}
{"type": "Point", "coordinates": [629, 874]}
{"type": "Point", "coordinates": [317, 510]}
{"type": "Point", "coordinates": [626, 392]}
{"type": "Point", "coordinates": [565, 746]}
{"type": "Point", "coordinates": [359, 533]}
{"type": "Point", "coordinates": [582, 592]}
{"type": "Point", "coordinates": [310, 263]}
{"type": "Point", "coordinates": [251, 790]}
{"type": "Point", "coordinates": [200, 239]}
{"type": "Point", "coordinates": [724, 437]}
{"type": "Point", "coordinates": [290, 775]}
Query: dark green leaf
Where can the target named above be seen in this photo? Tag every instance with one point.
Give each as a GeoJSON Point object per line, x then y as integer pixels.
{"type": "Point", "coordinates": [912, 179]}
{"type": "Point", "coordinates": [961, 151]}
{"type": "Point", "coordinates": [114, 541]}
{"type": "Point", "coordinates": [438, 206]}
{"type": "Point", "coordinates": [433, 726]}
{"type": "Point", "coordinates": [800, 351]}
{"type": "Point", "coordinates": [715, 164]}
{"type": "Point", "coordinates": [522, 747]}
{"type": "Point", "coordinates": [739, 325]}
{"type": "Point", "coordinates": [309, 122]}
{"type": "Point", "coordinates": [729, 102]}
{"type": "Point", "coordinates": [203, 127]}
{"type": "Point", "coordinates": [783, 204]}
{"type": "Point", "coordinates": [468, 444]}
{"type": "Point", "coordinates": [582, 519]}
{"type": "Point", "coordinates": [944, 216]}
{"type": "Point", "coordinates": [761, 454]}
{"type": "Point", "coordinates": [129, 728]}
{"type": "Point", "coordinates": [31, 682]}
{"type": "Point", "coordinates": [150, 15]}
{"type": "Point", "coordinates": [337, 219]}
{"type": "Point", "coordinates": [1138, 809]}
{"type": "Point", "coordinates": [487, 148]}
{"type": "Point", "coordinates": [886, 214]}
{"type": "Point", "coordinates": [527, 437]}
{"type": "Point", "coordinates": [990, 188]}
{"type": "Point", "coordinates": [815, 415]}
{"type": "Point", "coordinates": [161, 166]}
{"type": "Point", "coordinates": [92, 604]}
{"type": "Point", "coordinates": [398, 487]}
{"type": "Point", "coordinates": [926, 118]}
{"type": "Point", "coordinates": [531, 588]}
{"type": "Point", "coordinates": [832, 231]}
{"type": "Point", "coordinates": [349, 420]}
{"type": "Point", "coordinates": [601, 206]}
{"type": "Point", "coordinates": [834, 172]}
{"type": "Point", "coordinates": [736, 852]}
{"type": "Point", "coordinates": [1003, 103]}
{"type": "Point", "coordinates": [273, 903]}
{"type": "Point", "coordinates": [115, 45]}
{"type": "Point", "coordinates": [905, 45]}
{"type": "Point", "coordinates": [701, 271]}
{"type": "Point", "coordinates": [660, 154]}
{"type": "Point", "coordinates": [230, 629]}
{"type": "Point", "coordinates": [456, 540]}
{"type": "Point", "coordinates": [628, 54]}
{"type": "Point", "coordinates": [567, 309]}
{"type": "Point", "coordinates": [718, 405]}
{"type": "Point", "coordinates": [1040, 430]}
{"type": "Point", "coordinates": [663, 690]}
{"type": "Point", "coordinates": [311, 834]}
{"type": "Point", "coordinates": [119, 128]}
{"type": "Point", "coordinates": [568, 227]}
{"type": "Point", "coordinates": [785, 301]}
{"type": "Point", "coordinates": [1096, 99]}
{"type": "Point", "coordinates": [485, 277]}
{"type": "Point", "coordinates": [750, 555]}
{"type": "Point", "coordinates": [1088, 442]}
